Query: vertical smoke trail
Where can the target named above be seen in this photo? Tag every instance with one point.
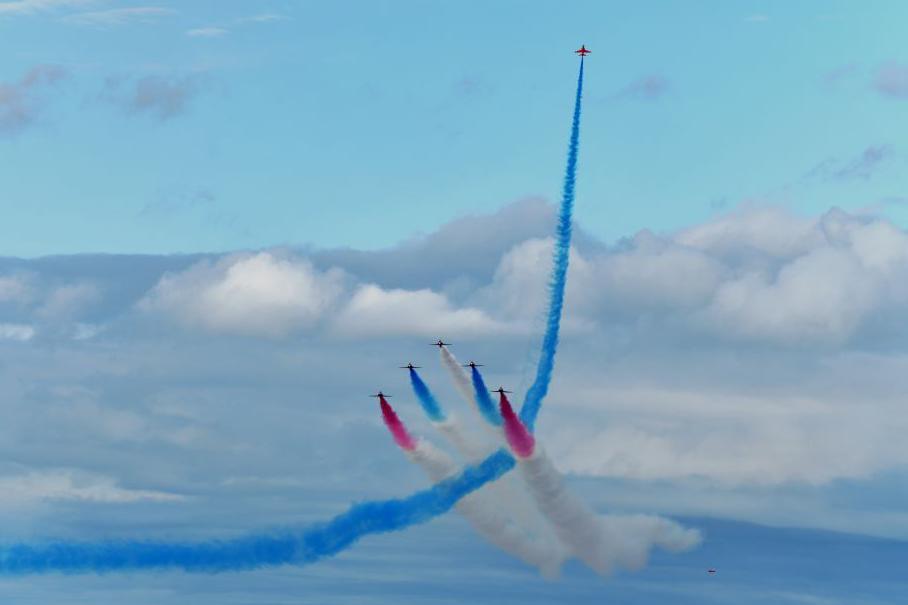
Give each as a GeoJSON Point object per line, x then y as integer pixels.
{"type": "Point", "coordinates": [483, 400]}
{"type": "Point", "coordinates": [457, 375]}
{"type": "Point", "coordinates": [603, 543]}
{"type": "Point", "coordinates": [426, 398]}
{"type": "Point", "coordinates": [480, 508]}
{"type": "Point", "coordinates": [537, 392]}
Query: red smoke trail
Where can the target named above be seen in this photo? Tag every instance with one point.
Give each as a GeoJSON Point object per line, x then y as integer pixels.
{"type": "Point", "coordinates": [397, 428]}
{"type": "Point", "coordinates": [519, 438]}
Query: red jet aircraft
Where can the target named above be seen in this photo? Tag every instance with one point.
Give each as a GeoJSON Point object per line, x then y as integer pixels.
{"type": "Point", "coordinates": [582, 51]}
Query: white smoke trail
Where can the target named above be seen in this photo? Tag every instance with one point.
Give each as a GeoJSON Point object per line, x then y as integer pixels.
{"type": "Point", "coordinates": [460, 378]}
{"type": "Point", "coordinates": [508, 489]}
{"type": "Point", "coordinates": [603, 543]}
{"type": "Point", "coordinates": [487, 516]}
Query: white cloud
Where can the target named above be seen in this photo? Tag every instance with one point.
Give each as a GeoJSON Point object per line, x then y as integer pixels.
{"type": "Point", "coordinates": [68, 300]}
{"type": "Point", "coordinates": [68, 485]}
{"type": "Point", "coordinates": [250, 294]}
{"type": "Point", "coordinates": [15, 289]}
{"type": "Point", "coordinates": [375, 311]}
{"type": "Point", "coordinates": [753, 229]}
{"type": "Point", "coordinates": [17, 332]}
{"type": "Point", "coordinates": [758, 274]}
{"type": "Point", "coordinates": [650, 431]}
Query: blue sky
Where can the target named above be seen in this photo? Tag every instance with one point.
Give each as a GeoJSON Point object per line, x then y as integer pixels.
{"type": "Point", "coordinates": [225, 223]}
{"type": "Point", "coordinates": [298, 124]}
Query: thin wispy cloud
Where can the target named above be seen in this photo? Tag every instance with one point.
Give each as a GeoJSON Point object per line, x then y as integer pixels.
{"type": "Point", "coordinates": [20, 102]}
{"type": "Point", "coordinates": [121, 16]}
{"type": "Point", "coordinates": [207, 32]}
{"type": "Point", "coordinates": [646, 88]}
{"type": "Point", "coordinates": [892, 81]}
{"type": "Point", "coordinates": [30, 7]}
{"type": "Point", "coordinates": [262, 18]}
{"type": "Point", "coordinates": [163, 97]}
{"type": "Point", "coordinates": [835, 77]}
{"type": "Point", "coordinates": [221, 29]}
{"type": "Point", "coordinates": [861, 167]}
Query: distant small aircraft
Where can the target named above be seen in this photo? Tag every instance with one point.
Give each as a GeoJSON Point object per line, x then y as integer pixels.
{"type": "Point", "coordinates": [500, 391]}
{"type": "Point", "coordinates": [473, 365]}
{"type": "Point", "coordinates": [439, 343]}
{"type": "Point", "coordinates": [381, 395]}
{"type": "Point", "coordinates": [711, 571]}
{"type": "Point", "coordinates": [409, 366]}
{"type": "Point", "coordinates": [582, 51]}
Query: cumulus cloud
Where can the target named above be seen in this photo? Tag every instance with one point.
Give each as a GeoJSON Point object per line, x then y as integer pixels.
{"type": "Point", "coordinates": [762, 435]}
{"type": "Point", "coordinates": [21, 102]}
{"type": "Point", "coordinates": [754, 351]}
{"type": "Point", "coordinates": [373, 311]}
{"type": "Point", "coordinates": [757, 274]}
{"type": "Point", "coordinates": [248, 294]}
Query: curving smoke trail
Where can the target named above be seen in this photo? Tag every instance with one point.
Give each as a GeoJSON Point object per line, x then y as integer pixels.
{"type": "Point", "coordinates": [518, 436]}
{"type": "Point", "coordinates": [309, 544]}
{"type": "Point", "coordinates": [297, 546]}
{"type": "Point", "coordinates": [483, 509]}
{"type": "Point", "coordinates": [483, 400]}
{"type": "Point", "coordinates": [426, 398]}
{"type": "Point", "coordinates": [603, 543]}
{"type": "Point", "coordinates": [540, 387]}
{"type": "Point", "coordinates": [401, 436]}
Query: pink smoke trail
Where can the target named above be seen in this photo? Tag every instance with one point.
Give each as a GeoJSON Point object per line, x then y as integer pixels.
{"type": "Point", "coordinates": [519, 438]}
{"type": "Point", "coordinates": [401, 436]}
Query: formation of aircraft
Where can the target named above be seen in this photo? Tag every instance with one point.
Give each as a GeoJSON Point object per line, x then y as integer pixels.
{"type": "Point", "coordinates": [582, 51]}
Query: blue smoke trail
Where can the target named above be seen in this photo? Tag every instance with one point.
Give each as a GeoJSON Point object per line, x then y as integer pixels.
{"type": "Point", "coordinates": [537, 392]}
{"type": "Point", "coordinates": [321, 540]}
{"type": "Point", "coordinates": [426, 398]}
{"type": "Point", "coordinates": [484, 400]}
{"type": "Point", "coordinates": [296, 547]}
